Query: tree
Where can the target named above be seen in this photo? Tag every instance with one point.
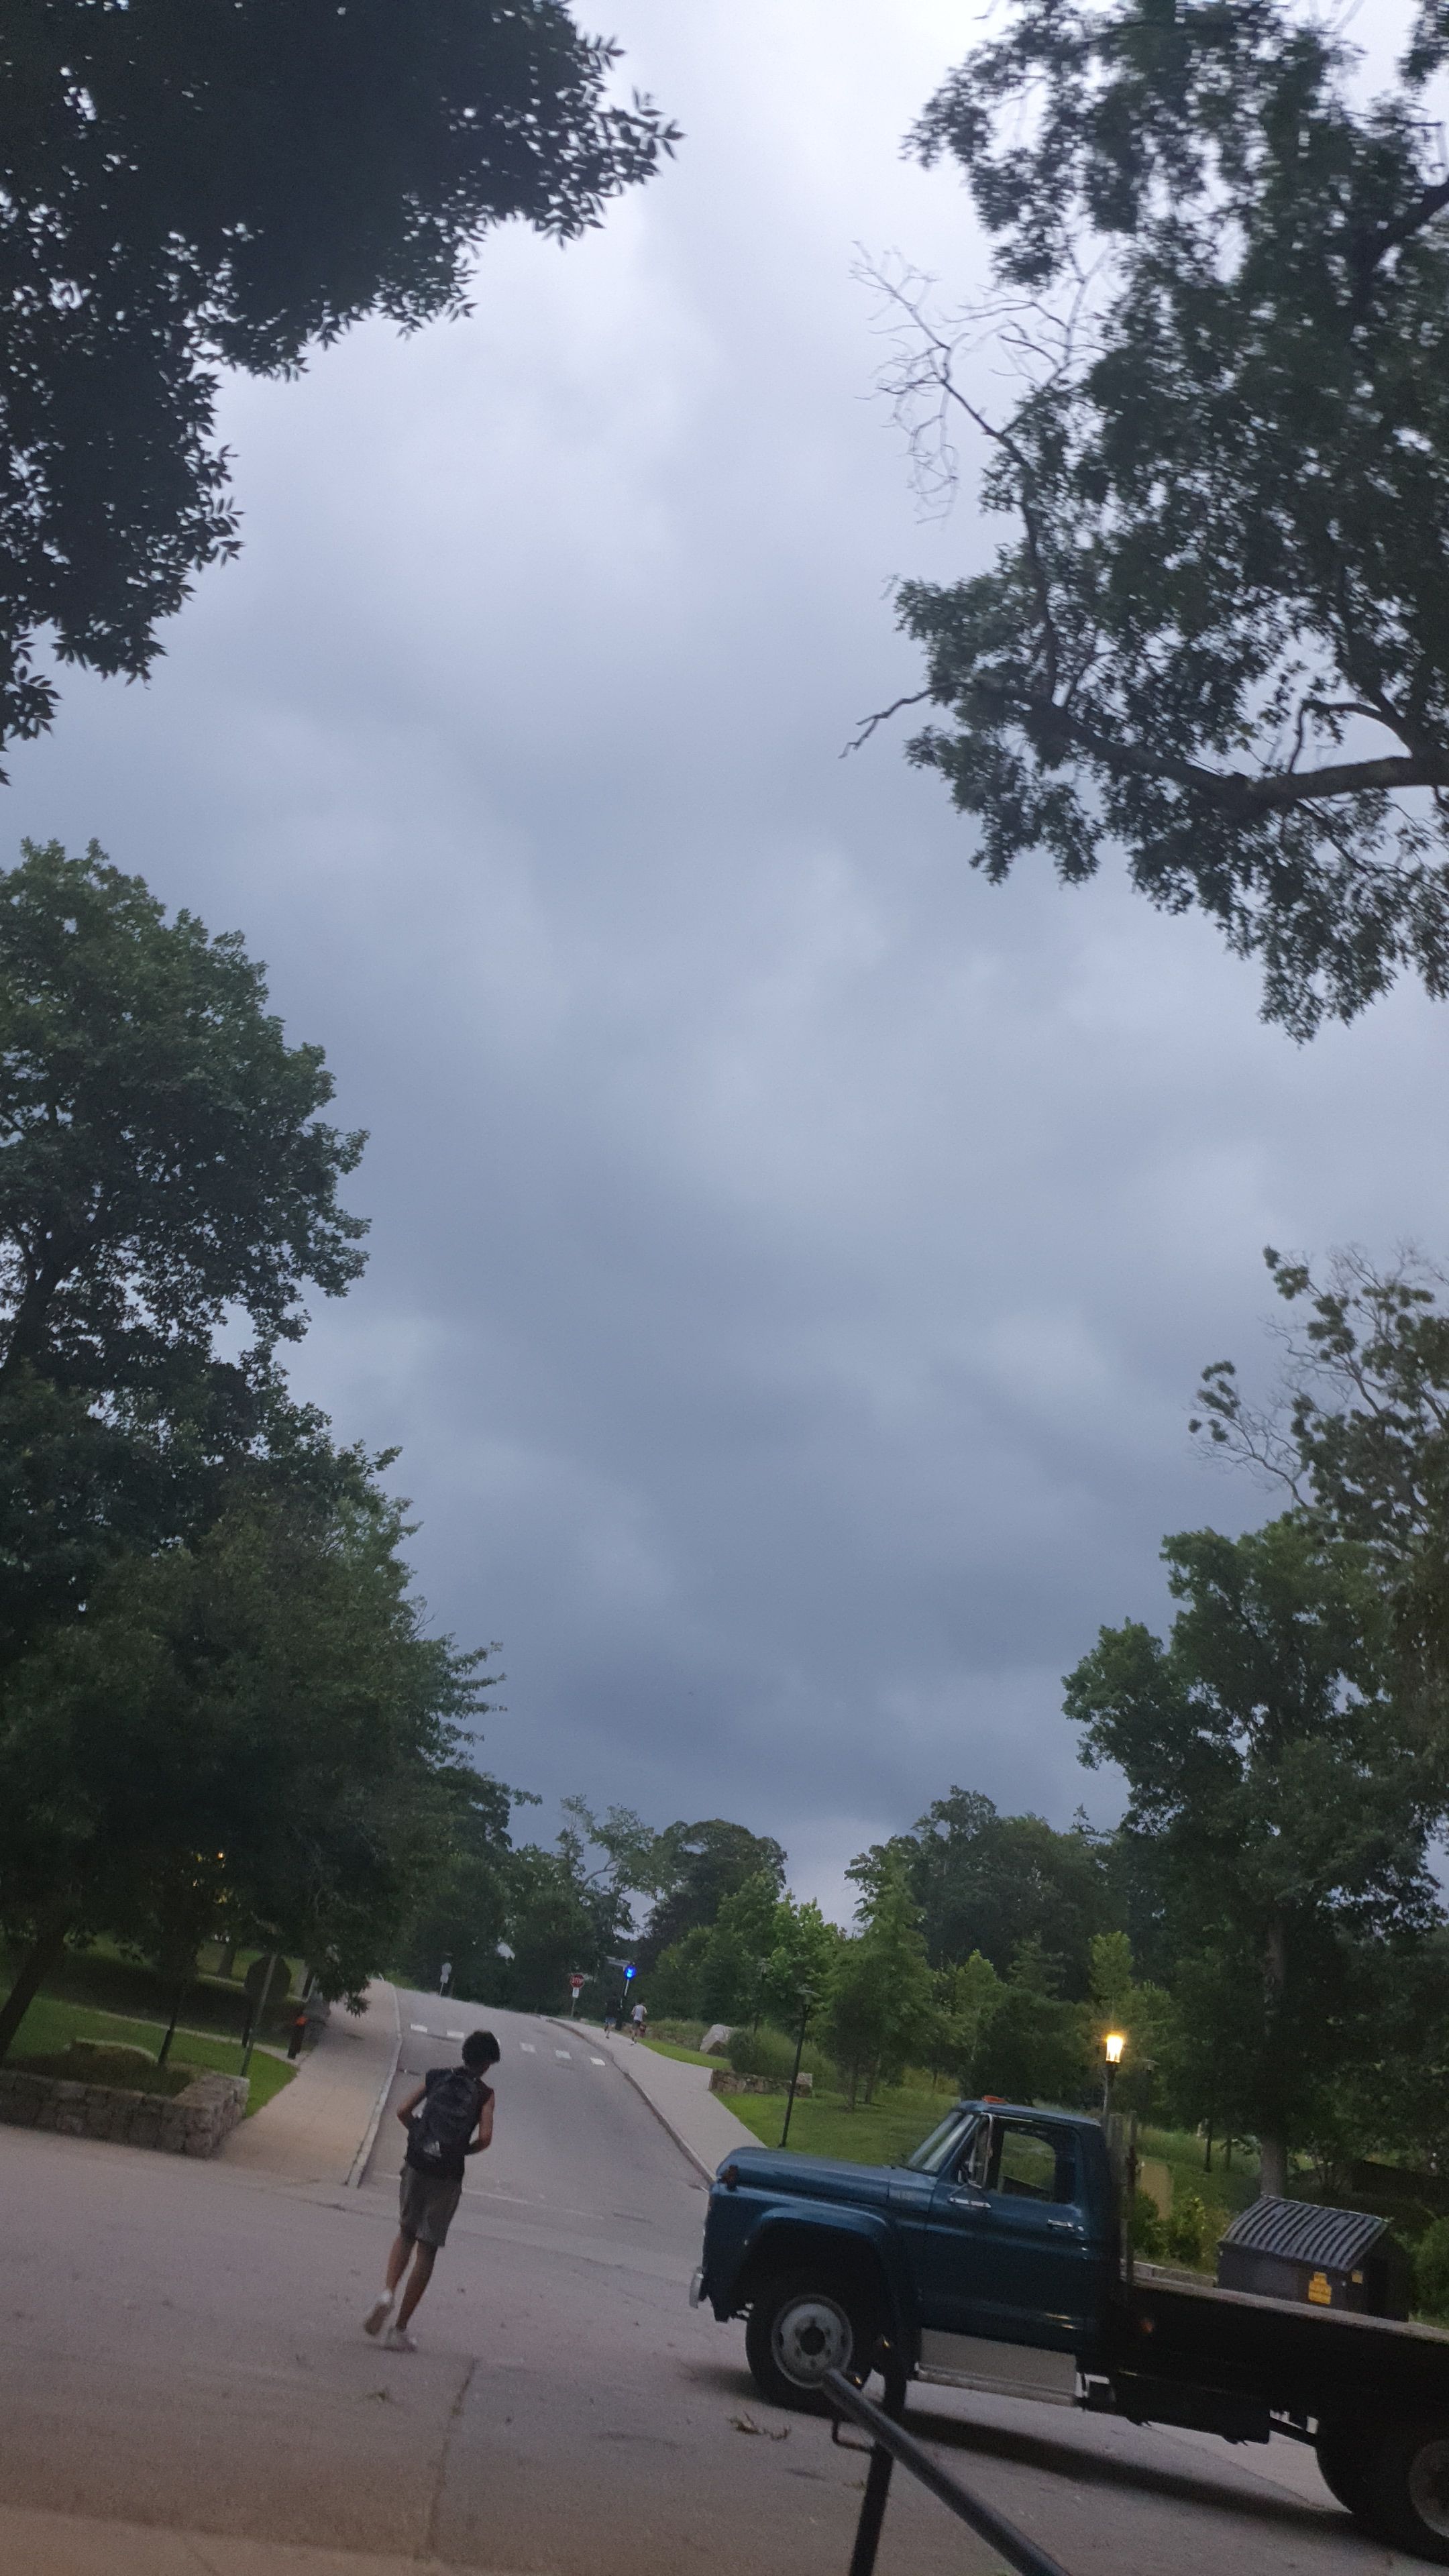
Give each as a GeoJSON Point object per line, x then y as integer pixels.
{"type": "Point", "coordinates": [967, 1998]}
{"type": "Point", "coordinates": [1031, 2050]}
{"type": "Point", "coordinates": [191, 184]}
{"type": "Point", "coordinates": [880, 2000]}
{"type": "Point", "coordinates": [165, 1169]}
{"type": "Point", "coordinates": [1359, 1439]}
{"type": "Point", "coordinates": [988, 1882]}
{"type": "Point", "coordinates": [803, 1952]}
{"type": "Point", "coordinates": [1286, 1804]}
{"type": "Point", "coordinates": [1218, 637]}
{"type": "Point", "coordinates": [463, 1907]}
{"type": "Point", "coordinates": [261, 1707]}
{"type": "Point", "coordinates": [691, 1871]}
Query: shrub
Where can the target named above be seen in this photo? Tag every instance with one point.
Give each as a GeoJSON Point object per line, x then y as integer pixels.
{"type": "Point", "coordinates": [1187, 2234]}
{"type": "Point", "coordinates": [762, 2052]}
{"type": "Point", "coordinates": [1147, 2230]}
{"type": "Point", "coordinates": [1431, 2269]}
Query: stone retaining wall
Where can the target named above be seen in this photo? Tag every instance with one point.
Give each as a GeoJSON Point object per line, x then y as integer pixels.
{"type": "Point", "coordinates": [723, 2081]}
{"type": "Point", "coordinates": [191, 2123]}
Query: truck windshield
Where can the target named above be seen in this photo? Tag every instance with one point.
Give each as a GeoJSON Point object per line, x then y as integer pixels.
{"type": "Point", "coordinates": [936, 2151]}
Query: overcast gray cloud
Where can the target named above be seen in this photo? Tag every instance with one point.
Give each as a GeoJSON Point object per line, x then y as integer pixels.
{"type": "Point", "coordinates": [791, 1257]}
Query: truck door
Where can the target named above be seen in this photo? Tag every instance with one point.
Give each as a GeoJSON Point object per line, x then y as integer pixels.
{"type": "Point", "coordinates": [1009, 2252]}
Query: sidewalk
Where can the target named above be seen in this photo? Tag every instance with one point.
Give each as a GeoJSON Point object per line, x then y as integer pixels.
{"type": "Point", "coordinates": [679, 2095]}
{"type": "Point", "coordinates": [321, 2127]}
{"type": "Point", "coordinates": [63, 2544]}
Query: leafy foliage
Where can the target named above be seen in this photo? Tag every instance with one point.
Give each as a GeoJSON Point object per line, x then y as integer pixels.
{"type": "Point", "coordinates": [1287, 1812]}
{"type": "Point", "coordinates": [165, 1169]}
{"type": "Point", "coordinates": [989, 1882]}
{"type": "Point", "coordinates": [258, 1717]}
{"type": "Point", "coordinates": [1219, 637]}
{"type": "Point", "coordinates": [189, 184]}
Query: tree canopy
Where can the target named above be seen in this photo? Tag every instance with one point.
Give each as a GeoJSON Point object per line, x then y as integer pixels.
{"type": "Point", "coordinates": [192, 184]}
{"type": "Point", "coordinates": [1287, 1808]}
{"type": "Point", "coordinates": [257, 1717]}
{"type": "Point", "coordinates": [165, 1170]}
{"type": "Point", "coordinates": [1218, 638]}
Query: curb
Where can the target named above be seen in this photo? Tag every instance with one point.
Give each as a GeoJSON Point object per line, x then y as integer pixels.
{"type": "Point", "coordinates": [665, 2123]}
{"type": "Point", "coordinates": [358, 2166]}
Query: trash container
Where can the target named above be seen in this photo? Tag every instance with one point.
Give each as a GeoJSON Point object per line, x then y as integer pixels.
{"type": "Point", "coordinates": [1330, 2258]}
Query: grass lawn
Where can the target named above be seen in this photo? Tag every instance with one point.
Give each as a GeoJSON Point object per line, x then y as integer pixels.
{"type": "Point", "coordinates": [687, 2056]}
{"type": "Point", "coordinates": [50, 2026]}
{"type": "Point", "coordinates": [100, 1977]}
{"type": "Point", "coordinates": [881, 2132]}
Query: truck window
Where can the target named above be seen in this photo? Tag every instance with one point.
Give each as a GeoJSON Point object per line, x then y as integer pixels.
{"type": "Point", "coordinates": [1022, 2161]}
{"type": "Point", "coordinates": [944, 2144]}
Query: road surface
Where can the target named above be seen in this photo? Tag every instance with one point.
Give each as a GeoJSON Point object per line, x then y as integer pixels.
{"type": "Point", "coordinates": [180, 2346]}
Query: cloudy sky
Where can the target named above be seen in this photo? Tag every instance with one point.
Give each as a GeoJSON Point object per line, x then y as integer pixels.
{"type": "Point", "coordinates": [791, 1257]}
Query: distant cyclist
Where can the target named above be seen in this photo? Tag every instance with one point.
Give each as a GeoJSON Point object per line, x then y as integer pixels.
{"type": "Point", "coordinates": [637, 2020]}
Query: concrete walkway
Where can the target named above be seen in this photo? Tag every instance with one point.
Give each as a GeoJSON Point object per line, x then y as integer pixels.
{"type": "Point", "coordinates": [321, 2127]}
{"type": "Point", "coordinates": [63, 2544]}
{"type": "Point", "coordinates": [679, 2095]}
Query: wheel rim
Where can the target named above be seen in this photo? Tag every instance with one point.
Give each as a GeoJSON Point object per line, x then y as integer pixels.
{"type": "Point", "coordinates": [1429, 2485]}
{"type": "Point", "coordinates": [812, 2335]}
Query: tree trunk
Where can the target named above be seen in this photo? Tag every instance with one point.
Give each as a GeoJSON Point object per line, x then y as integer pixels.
{"type": "Point", "coordinates": [164, 2051]}
{"type": "Point", "coordinates": [226, 1964]}
{"type": "Point", "coordinates": [1273, 2167]}
{"type": "Point", "coordinates": [1272, 2144]}
{"type": "Point", "coordinates": [1207, 2161]}
{"type": "Point", "coordinates": [36, 1966]}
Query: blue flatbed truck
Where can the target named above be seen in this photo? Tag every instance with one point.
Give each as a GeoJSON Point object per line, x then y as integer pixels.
{"type": "Point", "coordinates": [993, 2259]}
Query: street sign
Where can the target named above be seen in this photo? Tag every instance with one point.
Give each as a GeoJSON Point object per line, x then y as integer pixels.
{"type": "Point", "coordinates": [576, 1985]}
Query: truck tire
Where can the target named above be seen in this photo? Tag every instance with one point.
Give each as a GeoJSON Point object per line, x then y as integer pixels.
{"type": "Point", "coordinates": [1345, 2460]}
{"type": "Point", "coordinates": [1406, 2490]}
{"type": "Point", "coordinates": [800, 2325]}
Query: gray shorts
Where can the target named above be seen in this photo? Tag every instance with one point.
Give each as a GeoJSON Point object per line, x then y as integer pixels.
{"type": "Point", "coordinates": [425, 2206]}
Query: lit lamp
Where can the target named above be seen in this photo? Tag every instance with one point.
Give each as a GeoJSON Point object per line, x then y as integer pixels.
{"type": "Point", "coordinates": [1112, 2047]}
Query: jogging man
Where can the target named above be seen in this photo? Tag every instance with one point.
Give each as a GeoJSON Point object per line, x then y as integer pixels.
{"type": "Point", "coordinates": [447, 2117]}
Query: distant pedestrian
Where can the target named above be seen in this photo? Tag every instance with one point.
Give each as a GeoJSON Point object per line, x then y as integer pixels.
{"type": "Point", "coordinates": [447, 2117]}
{"type": "Point", "coordinates": [614, 2013]}
{"type": "Point", "coordinates": [638, 2017]}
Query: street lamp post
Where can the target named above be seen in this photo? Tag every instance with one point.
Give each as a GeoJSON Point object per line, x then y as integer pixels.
{"type": "Point", "coordinates": [807, 1998]}
{"type": "Point", "coordinates": [1112, 2047]}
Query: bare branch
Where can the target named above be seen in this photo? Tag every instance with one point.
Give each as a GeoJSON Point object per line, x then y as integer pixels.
{"type": "Point", "coordinates": [882, 716]}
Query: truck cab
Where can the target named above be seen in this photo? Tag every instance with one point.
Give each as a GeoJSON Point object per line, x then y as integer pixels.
{"type": "Point", "coordinates": [999, 2231]}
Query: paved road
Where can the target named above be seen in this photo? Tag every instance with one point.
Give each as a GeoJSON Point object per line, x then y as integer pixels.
{"type": "Point", "coordinates": [180, 2345]}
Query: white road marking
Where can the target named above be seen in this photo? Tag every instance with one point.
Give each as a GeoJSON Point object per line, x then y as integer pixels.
{"type": "Point", "coordinates": [528, 2048]}
{"type": "Point", "coordinates": [453, 2034]}
{"type": "Point", "coordinates": [564, 2052]}
{"type": "Point", "coordinates": [419, 2025]}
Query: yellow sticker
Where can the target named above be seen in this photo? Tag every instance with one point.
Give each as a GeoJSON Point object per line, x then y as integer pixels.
{"type": "Point", "coordinates": [1319, 2290]}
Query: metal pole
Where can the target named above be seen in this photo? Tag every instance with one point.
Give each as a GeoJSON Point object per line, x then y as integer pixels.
{"type": "Point", "coordinates": [795, 2076]}
{"type": "Point", "coordinates": [1014, 2546]}
{"type": "Point", "coordinates": [262, 2000]}
{"type": "Point", "coordinates": [872, 2513]}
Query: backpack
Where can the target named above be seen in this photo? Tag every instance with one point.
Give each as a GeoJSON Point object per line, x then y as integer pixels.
{"type": "Point", "coordinates": [443, 2124]}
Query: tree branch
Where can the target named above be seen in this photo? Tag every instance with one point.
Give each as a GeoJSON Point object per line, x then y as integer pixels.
{"type": "Point", "coordinates": [882, 716]}
{"type": "Point", "coordinates": [1372, 248]}
{"type": "Point", "coordinates": [1233, 789]}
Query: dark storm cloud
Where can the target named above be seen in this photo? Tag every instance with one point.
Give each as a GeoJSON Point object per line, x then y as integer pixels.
{"type": "Point", "coordinates": [791, 1259]}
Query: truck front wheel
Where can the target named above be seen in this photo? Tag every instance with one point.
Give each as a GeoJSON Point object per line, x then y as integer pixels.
{"type": "Point", "coordinates": [800, 2325]}
{"type": "Point", "coordinates": [1406, 2490]}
